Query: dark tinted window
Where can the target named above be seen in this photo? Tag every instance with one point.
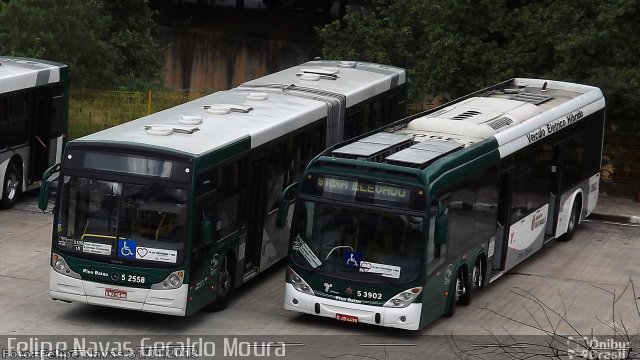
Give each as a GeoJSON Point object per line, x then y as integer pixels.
{"type": "Point", "coordinates": [4, 124]}
{"type": "Point", "coordinates": [573, 156]}
{"type": "Point", "coordinates": [472, 207]}
{"type": "Point", "coordinates": [531, 179]}
{"type": "Point", "coordinates": [18, 120]}
{"type": "Point", "coordinates": [229, 194]}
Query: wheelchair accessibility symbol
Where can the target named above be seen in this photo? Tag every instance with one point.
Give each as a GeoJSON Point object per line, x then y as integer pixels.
{"type": "Point", "coordinates": [127, 249]}
{"type": "Point", "coordinates": [352, 259]}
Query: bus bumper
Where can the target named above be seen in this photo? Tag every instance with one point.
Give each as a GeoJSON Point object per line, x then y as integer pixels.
{"type": "Point", "coordinates": [389, 317]}
{"type": "Point", "coordinates": [169, 302]}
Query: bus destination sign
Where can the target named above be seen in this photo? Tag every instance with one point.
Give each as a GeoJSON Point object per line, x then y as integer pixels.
{"type": "Point", "coordinates": [365, 191]}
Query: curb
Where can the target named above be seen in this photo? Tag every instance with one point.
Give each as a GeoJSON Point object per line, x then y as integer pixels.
{"type": "Point", "coordinates": [627, 219]}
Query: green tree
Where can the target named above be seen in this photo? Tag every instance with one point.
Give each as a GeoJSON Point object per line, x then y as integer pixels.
{"type": "Point", "coordinates": [455, 46]}
{"type": "Point", "coordinates": [105, 43]}
{"type": "Point", "coordinates": [448, 46]}
{"type": "Point", "coordinates": [134, 34]}
{"type": "Point", "coordinates": [72, 32]}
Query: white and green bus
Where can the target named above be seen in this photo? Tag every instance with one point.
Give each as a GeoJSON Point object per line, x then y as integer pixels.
{"type": "Point", "coordinates": [170, 212]}
{"type": "Point", "coordinates": [397, 226]}
{"type": "Point", "coordinates": [33, 122]}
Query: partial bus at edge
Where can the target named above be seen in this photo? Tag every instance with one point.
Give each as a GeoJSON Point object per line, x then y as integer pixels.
{"type": "Point", "coordinates": [171, 212]}
{"type": "Point", "coordinates": [33, 122]}
{"type": "Point", "coordinates": [399, 226]}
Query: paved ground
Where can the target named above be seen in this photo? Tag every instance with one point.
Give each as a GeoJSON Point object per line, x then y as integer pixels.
{"type": "Point", "coordinates": [581, 275]}
{"type": "Point", "coordinates": [618, 209]}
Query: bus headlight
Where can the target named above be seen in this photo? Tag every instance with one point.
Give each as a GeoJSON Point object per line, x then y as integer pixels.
{"type": "Point", "coordinates": [58, 263]}
{"type": "Point", "coordinates": [404, 298]}
{"type": "Point", "coordinates": [173, 281]}
{"type": "Point", "coordinates": [297, 282]}
{"type": "Point", "coordinates": [60, 266]}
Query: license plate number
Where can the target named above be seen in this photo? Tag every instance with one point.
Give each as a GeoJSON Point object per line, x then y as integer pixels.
{"type": "Point", "coordinates": [116, 294]}
{"type": "Point", "coordinates": [347, 318]}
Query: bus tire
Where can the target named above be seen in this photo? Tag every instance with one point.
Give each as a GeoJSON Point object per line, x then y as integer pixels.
{"type": "Point", "coordinates": [224, 286]}
{"type": "Point", "coordinates": [574, 219]}
{"type": "Point", "coordinates": [463, 288]}
{"type": "Point", "coordinates": [11, 186]}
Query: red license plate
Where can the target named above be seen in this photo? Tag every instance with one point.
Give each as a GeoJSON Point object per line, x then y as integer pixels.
{"type": "Point", "coordinates": [116, 294]}
{"type": "Point", "coordinates": [347, 318]}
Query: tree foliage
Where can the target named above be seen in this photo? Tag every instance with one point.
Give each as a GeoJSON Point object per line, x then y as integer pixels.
{"type": "Point", "coordinates": [451, 47]}
{"type": "Point", "coordinates": [104, 42]}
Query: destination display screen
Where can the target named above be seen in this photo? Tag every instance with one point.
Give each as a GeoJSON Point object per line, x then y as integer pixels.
{"type": "Point", "coordinates": [361, 191]}
{"type": "Point", "coordinates": [139, 165]}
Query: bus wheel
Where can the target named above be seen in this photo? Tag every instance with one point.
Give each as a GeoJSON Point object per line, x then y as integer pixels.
{"type": "Point", "coordinates": [574, 218]}
{"type": "Point", "coordinates": [463, 288]}
{"type": "Point", "coordinates": [11, 187]}
{"type": "Point", "coordinates": [224, 286]}
{"type": "Point", "coordinates": [476, 276]}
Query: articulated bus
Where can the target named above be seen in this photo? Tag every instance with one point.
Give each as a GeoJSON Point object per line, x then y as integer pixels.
{"type": "Point", "coordinates": [33, 122]}
{"type": "Point", "coordinates": [170, 212]}
{"type": "Point", "coordinates": [398, 226]}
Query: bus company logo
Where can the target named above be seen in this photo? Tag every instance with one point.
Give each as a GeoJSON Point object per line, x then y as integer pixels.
{"type": "Point", "coordinates": [447, 274]}
{"type": "Point", "coordinates": [327, 286]}
{"type": "Point", "coordinates": [213, 264]}
{"type": "Point", "coordinates": [537, 221]}
{"type": "Point", "coordinates": [349, 290]}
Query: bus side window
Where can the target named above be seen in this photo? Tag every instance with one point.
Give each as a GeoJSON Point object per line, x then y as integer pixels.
{"type": "Point", "coordinates": [436, 253]}
{"type": "Point", "coordinates": [294, 159]}
{"type": "Point", "coordinates": [57, 110]}
{"type": "Point", "coordinates": [18, 120]}
{"type": "Point", "coordinates": [230, 192]}
{"type": "Point", "coordinates": [390, 109]}
{"type": "Point", "coordinates": [4, 124]}
{"type": "Point", "coordinates": [276, 172]}
{"type": "Point", "coordinates": [376, 120]}
{"type": "Point", "coordinates": [206, 208]}
{"type": "Point", "coordinates": [352, 126]}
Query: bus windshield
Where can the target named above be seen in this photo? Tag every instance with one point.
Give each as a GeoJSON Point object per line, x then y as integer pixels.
{"type": "Point", "coordinates": [122, 222]}
{"type": "Point", "coordinates": [356, 244]}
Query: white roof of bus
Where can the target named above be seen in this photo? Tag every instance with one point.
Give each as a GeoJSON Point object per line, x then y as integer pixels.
{"type": "Point", "coordinates": [22, 73]}
{"type": "Point", "coordinates": [508, 116]}
{"type": "Point", "coordinates": [269, 119]}
{"type": "Point", "coordinates": [352, 81]}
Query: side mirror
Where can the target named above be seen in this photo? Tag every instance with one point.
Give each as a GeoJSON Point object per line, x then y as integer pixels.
{"type": "Point", "coordinates": [443, 224]}
{"type": "Point", "coordinates": [207, 230]}
{"type": "Point", "coordinates": [287, 196]}
{"type": "Point", "coordinates": [43, 196]}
